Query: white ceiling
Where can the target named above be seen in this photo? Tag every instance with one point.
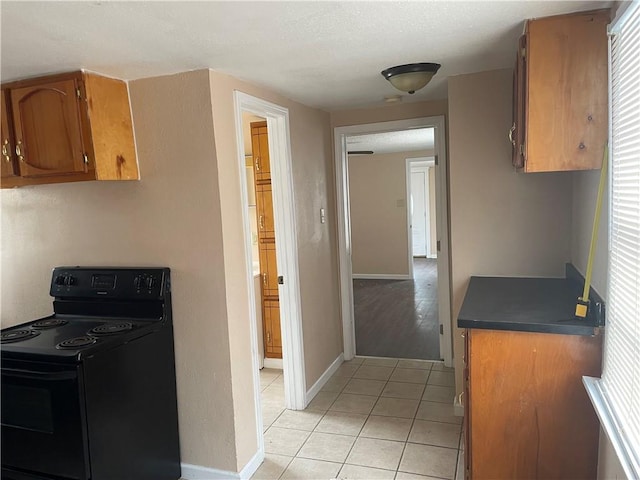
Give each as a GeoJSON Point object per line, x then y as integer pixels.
{"type": "Point", "coordinates": [391, 142]}
{"type": "Point", "coordinates": [324, 54]}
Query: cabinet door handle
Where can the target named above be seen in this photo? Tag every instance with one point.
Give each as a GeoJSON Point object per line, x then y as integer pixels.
{"type": "Point", "coordinates": [257, 164]}
{"type": "Point", "coordinates": [5, 151]}
{"type": "Point", "coordinates": [262, 222]}
{"type": "Point", "coordinates": [268, 337]}
{"type": "Point", "coordinates": [511, 130]}
{"type": "Point", "coordinates": [19, 151]}
{"type": "Point", "coordinates": [264, 279]}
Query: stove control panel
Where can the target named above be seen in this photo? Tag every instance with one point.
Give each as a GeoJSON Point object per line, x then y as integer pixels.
{"type": "Point", "coordinates": [118, 283]}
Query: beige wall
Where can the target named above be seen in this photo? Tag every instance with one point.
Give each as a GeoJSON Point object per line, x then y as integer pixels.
{"type": "Point", "coordinates": [185, 213]}
{"type": "Point", "coordinates": [502, 222]}
{"type": "Point", "coordinates": [317, 248]}
{"type": "Point", "coordinates": [388, 113]}
{"type": "Point", "coordinates": [170, 217]}
{"type": "Point", "coordinates": [378, 208]}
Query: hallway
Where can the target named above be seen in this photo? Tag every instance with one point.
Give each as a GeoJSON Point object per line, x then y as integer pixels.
{"type": "Point", "coordinates": [376, 418]}
{"type": "Point", "coordinates": [399, 318]}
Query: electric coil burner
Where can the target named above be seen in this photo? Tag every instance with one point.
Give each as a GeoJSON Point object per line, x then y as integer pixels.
{"type": "Point", "coordinates": [110, 328]}
{"type": "Point", "coordinates": [17, 335]}
{"type": "Point", "coordinates": [77, 342]}
{"type": "Point", "coordinates": [50, 323]}
{"type": "Point", "coordinates": [89, 392]}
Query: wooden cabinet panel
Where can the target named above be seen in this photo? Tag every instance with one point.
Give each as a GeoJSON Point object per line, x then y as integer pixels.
{"type": "Point", "coordinates": [269, 270]}
{"type": "Point", "coordinates": [272, 331]}
{"type": "Point", "coordinates": [47, 128]}
{"type": "Point", "coordinates": [70, 127]}
{"type": "Point", "coordinates": [529, 414]}
{"type": "Point", "coordinates": [561, 120]}
{"type": "Point", "coordinates": [260, 147]}
{"type": "Point", "coordinates": [264, 202]}
{"type": "Point", "coordinates": [7, 162]}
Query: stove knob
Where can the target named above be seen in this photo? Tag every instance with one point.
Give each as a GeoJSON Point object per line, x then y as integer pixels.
{"type": "Point", "coordinates": [137, 282]}
{"type": "Point", "coordinates": [70, 280]}
{"type": "Point", "coordinates": [150, 282]}
{"type": "Point", "coordinates": [60, 280]}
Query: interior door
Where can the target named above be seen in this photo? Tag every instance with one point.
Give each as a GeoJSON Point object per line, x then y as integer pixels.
{"type": "Point", "coordinates": [419, 212]}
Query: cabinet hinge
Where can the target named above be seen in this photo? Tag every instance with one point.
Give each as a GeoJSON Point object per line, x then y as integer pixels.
{"type": "Point", "coordinates": [441, 329]}
{"type": "Point", "coordinates": [280, 280]}
{"type": "Point", "coordinates": [85, 158]}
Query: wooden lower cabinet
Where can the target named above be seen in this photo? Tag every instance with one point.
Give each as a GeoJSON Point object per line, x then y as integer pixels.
{"type": "Point", "coordinates": [272, 332]}
{"type": "Point", "coordinates": [527, 414]}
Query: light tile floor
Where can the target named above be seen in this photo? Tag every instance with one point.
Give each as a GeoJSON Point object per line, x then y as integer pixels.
{"type": "Point", "coordinates": [376, 418]}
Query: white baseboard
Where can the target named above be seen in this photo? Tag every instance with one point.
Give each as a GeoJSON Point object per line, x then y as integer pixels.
{"type": "Point", "coordinates": [379, 276]}
{"type": "Point", "coordinates": [253, 465]}
{"type": "Point", "coordinates": [432, 256]}
{"type": "Point", "coordinates": [313, 391]}
{"type": "Point", "coordinates": [273, 363]}
{"type": "Point", "coordinates": [197, 472]}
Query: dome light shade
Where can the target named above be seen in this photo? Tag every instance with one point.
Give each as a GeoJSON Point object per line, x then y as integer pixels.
{"type": "Point", "coordinates": [411, 77]}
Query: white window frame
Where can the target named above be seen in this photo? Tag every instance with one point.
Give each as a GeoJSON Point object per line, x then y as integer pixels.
{"type": "Point", "coordinates": [611, 422]}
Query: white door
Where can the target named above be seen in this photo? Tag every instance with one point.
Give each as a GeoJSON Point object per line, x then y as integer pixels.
{"type": "Point", "coordinates": [419, 212]}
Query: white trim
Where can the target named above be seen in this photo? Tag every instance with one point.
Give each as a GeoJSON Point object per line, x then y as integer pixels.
{"type": "Point", "coordinates": [625, 10]}
{"type": "Point", "coordinates": [286, 253]}
{"type": "Point", "coordinates": [344, 227]}
{"type": "Point", "coordinates": [380, 276]}
{"type": "Point", "coordinates": [272, 363]}
{"type": "Point", "coordinates": [197, 472]}
{"type": "Point", "coordinates": [458, 407]}
{"type": "Point", "coordinates": [251, 466]}
{"type": "Point", "coordinates": [418, 165]}
{"type": "Point", "coordinates": [630, 465]}
{"type": "Point", "coordinates": [328, 373]}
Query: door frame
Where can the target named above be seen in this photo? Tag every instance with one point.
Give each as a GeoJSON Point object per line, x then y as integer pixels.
{"type": "Point", "coordinates": [419, 164]}
{"type": "Point", "coordinates": [286, 250]}
{"type": "Point", "coordinates": [340, 135]}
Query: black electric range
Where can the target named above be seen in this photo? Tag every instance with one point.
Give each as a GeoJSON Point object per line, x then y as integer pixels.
{"type": "Point", "coordinates": [89, 392]}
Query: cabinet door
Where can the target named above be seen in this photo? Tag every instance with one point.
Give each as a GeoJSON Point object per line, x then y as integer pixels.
{"type": "Point", "coordinates": [8, 159]}
{"type": "Point", "coordinates": [47, 126]}
{"type": "Point", "coordinates": [260, 146]}
{"type": "Point", "coordinates": [272, 331]}
{"type": "Point", "coordinates": [269, 270]}
{"type": "Point", "coordinates": [264, 201]}
{"type": "Point", "coordinates": [519, 126]}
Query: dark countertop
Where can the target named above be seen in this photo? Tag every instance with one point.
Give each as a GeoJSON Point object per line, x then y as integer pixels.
{"type": "Point", "coordinates": [545, 305]}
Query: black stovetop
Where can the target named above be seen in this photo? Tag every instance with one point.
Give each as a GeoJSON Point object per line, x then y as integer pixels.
{"type": "Point", "coordinates": [75, 338]}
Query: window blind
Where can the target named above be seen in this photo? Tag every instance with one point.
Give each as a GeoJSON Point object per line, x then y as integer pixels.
{"type": "Point", "coordinates": [621, 375]}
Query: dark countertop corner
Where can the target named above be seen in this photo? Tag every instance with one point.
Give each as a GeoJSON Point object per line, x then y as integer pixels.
{"type": "Point", "coordinates": [544, 305]}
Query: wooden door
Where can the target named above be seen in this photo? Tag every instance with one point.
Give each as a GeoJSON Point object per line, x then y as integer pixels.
{"type": "Point", "coordinates": [47, 127]}
{"type": "Point", "coordinates": [264, 202]}
{"type": "Point", "coordinates": [260, 147]}
{"type": "Point", "coordinates": [272, 333]}
{"type": "Point", "coordinates": [269, 270]}
{"type": "Point", "coordinates": [7, 162]}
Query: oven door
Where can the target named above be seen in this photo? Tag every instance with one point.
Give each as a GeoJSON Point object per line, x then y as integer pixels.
{"type": "Point", "coordinates": [43, 427]}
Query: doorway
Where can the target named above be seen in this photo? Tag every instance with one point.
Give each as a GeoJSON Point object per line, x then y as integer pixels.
{"type": "Point", "coordinates": [348, 230]}
{"type": "Point", "coordinates": [286, 253]}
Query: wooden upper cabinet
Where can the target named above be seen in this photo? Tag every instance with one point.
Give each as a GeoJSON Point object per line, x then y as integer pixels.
{"type": "Point", "coordinates": [71, 127]}
{"type": "Point", "coordinates": [46, 119]}
{"type": "Point", "coordinates": [8, 166]}
{"type": "Point", "coordinates": [560, 117]}
{"type": "Point", "coordinates": [260, 147]}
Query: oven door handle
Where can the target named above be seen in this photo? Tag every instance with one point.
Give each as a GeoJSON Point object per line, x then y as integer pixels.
{"type": "Point", "coordinates": [35, 375]}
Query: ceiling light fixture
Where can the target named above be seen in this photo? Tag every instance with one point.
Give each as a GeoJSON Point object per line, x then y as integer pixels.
{"type": "Point", "coordinates": [411, 77]}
